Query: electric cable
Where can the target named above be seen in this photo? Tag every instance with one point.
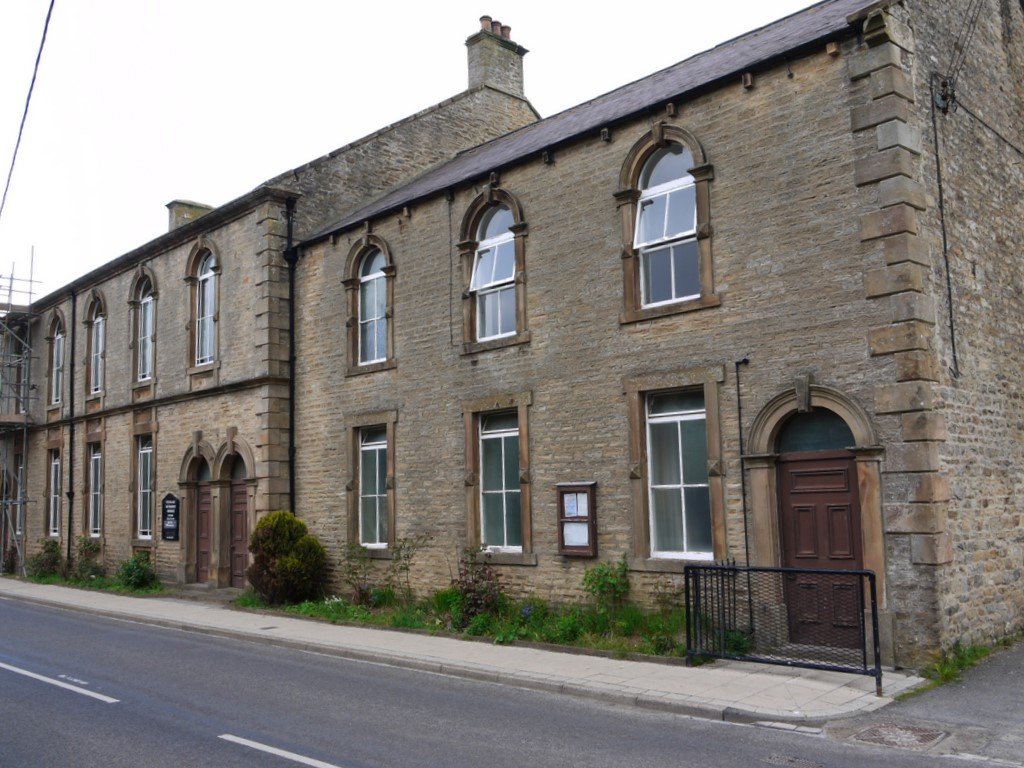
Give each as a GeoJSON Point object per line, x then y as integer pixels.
{"type": "Point", "coordinates": [28, 100]}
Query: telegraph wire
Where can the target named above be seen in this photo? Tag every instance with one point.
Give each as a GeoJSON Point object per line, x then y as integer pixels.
{"type": "Point", "coordinates": [963, 42]}
{"type": "Point", "coordinates": [994, 131]}
{"type": "Point", "coordinates": [28, 99]}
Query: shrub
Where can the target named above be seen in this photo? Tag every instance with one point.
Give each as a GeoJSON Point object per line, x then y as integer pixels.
{"type": "Point", "coordinates": [479, 590]}
{"type": "Point", "coordinates": [87, 565]}
{"type": "Point", "coordinates": [607, 583]}
{"type": "Point", "coordinates": [403, 552]}
{"type": "Point", "coordinates": [10, 561]}
{"type": "Point", "coordinates": [357, 572]}
{"type": "Point", "coordinates": [137, 572]}
{"type": "Point", "coordinates": [289, 565]}
{"type": "Point", "coordinates": [47, 561]}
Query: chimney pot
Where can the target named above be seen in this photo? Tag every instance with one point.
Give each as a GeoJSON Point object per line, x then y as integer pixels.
{"type": "Point", "coordinates": [496, 28]}
{"type": "Point", "coordinates": [506, 31]}
{"type": "Point", "coordinates": [493, 58]}
{"type": "Point", "coordinates": [485, 23]}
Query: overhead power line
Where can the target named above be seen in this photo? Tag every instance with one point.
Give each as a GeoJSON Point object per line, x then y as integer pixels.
{"type": "Point", "coordinates": [28, 100]}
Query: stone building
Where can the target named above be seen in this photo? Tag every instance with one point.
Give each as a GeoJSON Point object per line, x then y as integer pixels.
{"type": "Point", "coordinates": [764, 304]}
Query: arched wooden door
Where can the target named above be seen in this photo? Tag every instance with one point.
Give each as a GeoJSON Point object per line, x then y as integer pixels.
{"type": "Point", "coordinates": [204, 525]}
{"type": "Point", "coordinates": [820, 525]}
{"type": "Point", "coordinates": [239, 525]}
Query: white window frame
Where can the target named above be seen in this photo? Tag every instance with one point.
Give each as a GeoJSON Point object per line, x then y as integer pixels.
{"type": "Point", "coordinates": [677, 418]}
{"type": "Point", "coordinates": [19, 514]}
{"type": "Point", "coordinates": [144, 355]}
{"type": "Point", "coordinates": [57, 367]}
{"type": "Point", "coordinates": [96, 346]}
{"type": "Point", "coordinates": [206, 311]}
{"type": "Point", "coordinates": [377, 452]}
{"type": "Point", "coordinates": [53, 507]}
{"type": "Point", "coordinates": [509, 485]}
{"type": "Point", "coordinates": [144, 487]}
{"type": "Point", "coordinates": [489, 286]}
{"type": "Point", "coordinates": [665, 241]}
{"type": "Point", "coordinates": [95, 490]}
{"type": "Point", "coordinates": [378, 281]}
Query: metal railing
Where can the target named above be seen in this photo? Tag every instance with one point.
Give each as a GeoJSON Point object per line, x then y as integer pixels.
{"type": "Point", "coordinates": [796, 617]}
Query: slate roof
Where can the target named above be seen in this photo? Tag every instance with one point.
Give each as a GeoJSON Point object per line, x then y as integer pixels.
{"type": "Point", "coordinates": [811, 26]}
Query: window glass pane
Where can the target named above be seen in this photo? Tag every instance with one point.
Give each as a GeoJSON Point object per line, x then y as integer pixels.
{"type": "Point", "coordinates": [507, 299]}
{"type": "Point", "coordinates": [367, 300]}
{"type": "Point", "coordinates": [372, 263]}
{"type": "Point", "coordinates": [576, 534]}
{"type": "Point", "coordinates": [381, 486]}
{"type": "Point", "coordinates": [667, 164]}
{"type": "Point", "coordinates": [698, 519]}
{"type": "Point", "coordinates": [657, 277]}
{"type": "Point", "coordinates": [380, 328]}
{"type": "Point", "coordinates": [819, 430]}
{"type": "Point", "coordinates": [513, 521]}
{"type": "Point", "coordinates": [651, 225]}
{"type": "Point", "coordinates": [687, 270]}
{"type": "Point", "coordinates": [695, 451]}
{"type": "Point", "coordinates": [676, 402]}
{"type": "Point", "coordinates": [366, 342]}
{"type": "Point", "coordinates": [498, 422]}
{"type": "Point", "coordinates": [664, 451]}
{"type": "Point", "coordinates": [368, 473]}
{"type": "Point", "coordinates": [484, 268]}
{"type": "Point", "coordinates": [493, 520]}
{"type": "Point", "coordinates": [367, 520]}
{"type": "Point", "coordinates": [491, 465]}
{"type": "Point", "coordinates": [511, 444]}
{"type": "Point", "coordinates": [382, 520]}
{"type": "Point", "coordinates": [371, 435]}
{"type": "Point", "coordinates": [487, 315]}
{"type": "Point", "coordinates": [666, 520]}
{"type": "Point", "coordinates": [504, 261]}
{"type": "Point", "coordinates": [682, 211]}
{"type": "Point", "coordinates": [496, 222]}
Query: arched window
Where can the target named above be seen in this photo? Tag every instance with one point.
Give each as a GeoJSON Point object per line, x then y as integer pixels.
{"type": "Point", "coordinates": [817, 430]}
{"type": "Point", "coordinates": [666, 228]}
{"type": "Point", "coordinates": [370, 291]}
{"type": "Point", "coordinates": [664, 202]}
{"type": "Point", "coordinates": [373, 323]}
{"type": "Point", "coordinates": [494, 269]}
{"type": "Point", "coordinates": [206, 309]}
{"type": "Point", "coordinates": [144, 312]}
{"type": "Point", "coordinates": [493, 251]}
{"type": "Point", "coordinates": [96, 322]}
{"type": "Point", "coordinates": [56, 361]}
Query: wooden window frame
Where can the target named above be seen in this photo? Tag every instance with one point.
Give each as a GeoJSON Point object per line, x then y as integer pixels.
{"type": "Point", "coordinates": [708, 379]}
{"type": "Point", "coordinates": [355, 426]}
{"type": "Point", "coordinates": [362, 248]}
{"type": "Point", "coordinates": [472, 411]}
{"type": "Point", "coordinates": [589, 491]}
{"type": "Point", "coordinates": [628, 200]}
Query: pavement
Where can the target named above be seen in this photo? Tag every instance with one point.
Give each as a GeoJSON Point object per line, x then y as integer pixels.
{"type": "Point", "coordinates": [725, 690]}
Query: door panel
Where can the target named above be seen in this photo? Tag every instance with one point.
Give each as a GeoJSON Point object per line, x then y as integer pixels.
{"type": "Point", "coordinates": [820, 524]}
{"type": "Point", "coordinates": [203, 511]}
{"type": "Point", "coordinates": [239, 533]}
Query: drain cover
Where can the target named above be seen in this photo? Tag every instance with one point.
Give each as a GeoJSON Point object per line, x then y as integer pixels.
{"type": "Point", "coordinates": [900, 736]}
{"type": "Point", "coordinates": [791, 762]}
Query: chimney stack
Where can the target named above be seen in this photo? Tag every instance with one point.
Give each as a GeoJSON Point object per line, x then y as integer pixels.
{"type": "Point", "coordinates": [494, 59]}
{"type": "Point", "coordinates": [183, 211]}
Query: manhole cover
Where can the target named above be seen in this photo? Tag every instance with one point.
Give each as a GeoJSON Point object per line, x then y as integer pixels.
{"type": "Point", "coordinates": [791, 762]}
{"type": "Point", "coordinates": [900, 736]}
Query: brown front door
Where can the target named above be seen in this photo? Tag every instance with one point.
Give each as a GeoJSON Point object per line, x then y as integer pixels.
{"type": "Point", "coordinates": [820, 522]}
{"type": "Point", "coordinates": [203, 511]}
{"type": "Point", "coordinates": [239, 533]}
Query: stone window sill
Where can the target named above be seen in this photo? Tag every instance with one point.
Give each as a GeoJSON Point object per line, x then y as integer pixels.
{"type": "Point", "coordinates": [650, 313]}
{"type": "Point", "coordinates": [359, 370]}
{"type": "Point", "coordinates": [473, 347]}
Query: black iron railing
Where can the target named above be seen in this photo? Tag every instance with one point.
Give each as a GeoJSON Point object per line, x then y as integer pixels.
{"type": "Point", "coordinates": [797, 617]}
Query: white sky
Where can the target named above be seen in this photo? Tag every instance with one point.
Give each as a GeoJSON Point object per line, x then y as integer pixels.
{"type": "Point", "coordinates": [139, 103]}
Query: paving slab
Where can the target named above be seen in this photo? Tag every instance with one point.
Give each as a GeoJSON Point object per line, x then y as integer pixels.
{"type": "Point", "coordinates": [727, 690]}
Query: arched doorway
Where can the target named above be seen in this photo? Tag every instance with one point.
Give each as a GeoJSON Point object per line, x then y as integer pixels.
{"type": "Point", "coordinates": [238, 535]}
{"type": "Point", "coordinates": [820, 526]}
{"type": "Point", "coordinates": [204, 523]}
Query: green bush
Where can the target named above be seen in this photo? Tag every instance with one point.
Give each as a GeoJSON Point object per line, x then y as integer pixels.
{"type": "Point", "coordinates": [47, 561]}
{"type": "Point", "coordinates": [289, 565]}
{"type": "Point", "coordinates": [607, 583]}
{"type": "Point", "coordinates": [479, 590]}
{"type": "Point", "coordinates": [137, 572]}
{"type": "Point", "coordinates": [10, 561]}
{"type": "Point", "coordinates": [87, 565]}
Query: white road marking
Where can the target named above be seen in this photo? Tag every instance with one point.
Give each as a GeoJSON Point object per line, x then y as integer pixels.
{"type": "Point", "coordinates": [59, 684]}
{"type": "Point", "coordinates": [278, 752]}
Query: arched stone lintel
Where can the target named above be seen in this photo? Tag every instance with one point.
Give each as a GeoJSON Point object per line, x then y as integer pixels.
{"type": "Point", "coordinates": [196, 451]}
{"type": "Point", "coordinates": [765, 430]}
{"type": "Point", "coordinates": [220, 466]}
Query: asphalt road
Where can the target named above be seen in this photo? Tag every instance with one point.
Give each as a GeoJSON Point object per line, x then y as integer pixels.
{"type": "Point", "coordinates": [188, 699]}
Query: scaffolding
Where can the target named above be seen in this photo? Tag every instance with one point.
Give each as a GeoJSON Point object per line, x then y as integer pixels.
{"type": "Point", "coordinates": [16, 393]}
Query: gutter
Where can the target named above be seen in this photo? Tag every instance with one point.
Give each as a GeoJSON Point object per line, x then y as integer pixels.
{"type": "Point", "coordinates": [71, 441]}
{"type": "Point", "coordinates": [291, 257]}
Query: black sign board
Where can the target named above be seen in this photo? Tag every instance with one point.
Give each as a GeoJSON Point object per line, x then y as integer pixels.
{"type": "Point", "coordinates": [170, 509]}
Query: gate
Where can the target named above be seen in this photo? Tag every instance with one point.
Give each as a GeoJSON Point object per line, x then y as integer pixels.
{"type": "Point", "coordinates": [796, 617]}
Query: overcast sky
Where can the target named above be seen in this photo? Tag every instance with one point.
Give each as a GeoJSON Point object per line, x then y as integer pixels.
{"type": "Point", "coordinates": [139, 103]}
